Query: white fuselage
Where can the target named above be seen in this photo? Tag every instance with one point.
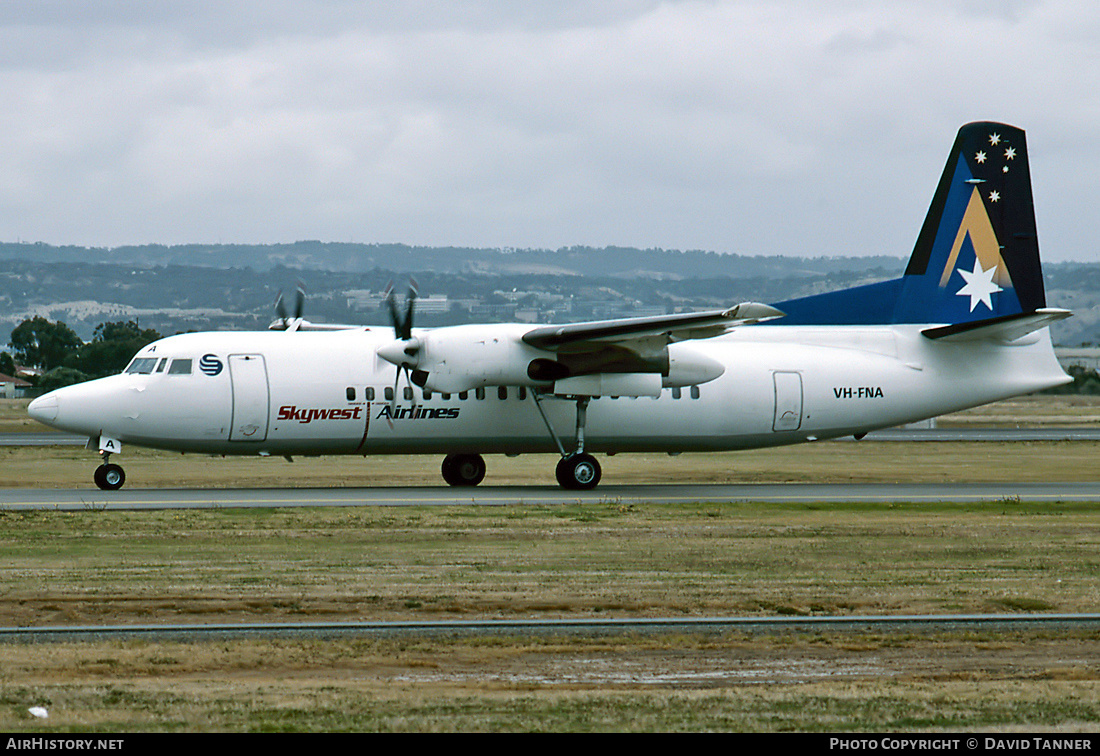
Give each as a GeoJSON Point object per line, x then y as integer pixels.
{"type": "Point", "coordinates": [293, 393]}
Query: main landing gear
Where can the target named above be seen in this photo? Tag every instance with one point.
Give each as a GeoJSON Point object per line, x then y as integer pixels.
{"type": "Point", "coordinates": [463, 469]}
{"type": "Point", "coordinates": [577, 471]}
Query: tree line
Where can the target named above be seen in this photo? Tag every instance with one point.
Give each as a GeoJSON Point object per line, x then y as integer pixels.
{"type": "Point", "coordinates": [65, 358]}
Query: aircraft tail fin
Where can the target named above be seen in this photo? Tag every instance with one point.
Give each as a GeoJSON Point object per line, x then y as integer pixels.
{"type": "Point", "coordinates": [977, 255]}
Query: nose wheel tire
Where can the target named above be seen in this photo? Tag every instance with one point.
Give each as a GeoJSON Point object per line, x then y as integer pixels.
{"type": "Point", "coordinates": [463, 469]}
{"type": "Point", "coordinates": [109, 477]}
{"type": "Point", "coordinates": [579, 472]}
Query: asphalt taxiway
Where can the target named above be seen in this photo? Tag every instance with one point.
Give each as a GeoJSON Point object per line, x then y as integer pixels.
{"type": "Point", "coordinates": [149, 498]}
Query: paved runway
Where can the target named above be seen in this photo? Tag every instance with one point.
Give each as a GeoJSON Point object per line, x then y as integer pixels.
{"type": "Point", "coordinates": [138, 498]}
{"type": "Point", "coordinates": [1091, 433]}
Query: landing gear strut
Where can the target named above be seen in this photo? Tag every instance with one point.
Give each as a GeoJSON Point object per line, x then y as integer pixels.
{"type": "Point", "coordinates": [577, 471]}
{"type": "Point", "coordinates": [109, 477]}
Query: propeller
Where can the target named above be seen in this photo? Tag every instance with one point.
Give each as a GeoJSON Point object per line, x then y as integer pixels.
{"type": "Point", "coordinates": [404, 351]}
{"type": "Point", "coordinates": [285, 322]}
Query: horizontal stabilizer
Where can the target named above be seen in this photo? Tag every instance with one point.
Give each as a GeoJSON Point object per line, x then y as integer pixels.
{"type": "Point", "coordinates": [1005, 328]}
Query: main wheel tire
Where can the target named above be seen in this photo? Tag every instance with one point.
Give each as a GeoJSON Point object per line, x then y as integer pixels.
{"type": "Point", "coordinates": [109, 477]}
{"type": "Point", "coordinates": [578, 472]}
{"type": "Point", "coordinates": [463, 469]}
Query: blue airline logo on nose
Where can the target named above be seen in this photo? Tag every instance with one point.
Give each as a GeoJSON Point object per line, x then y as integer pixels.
{"type": "Point", "coordinates": [210, 364]}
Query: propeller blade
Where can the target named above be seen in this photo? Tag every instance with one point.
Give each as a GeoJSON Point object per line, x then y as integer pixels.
{"type": "Point", "coordinates": [299, 301]}
{"type": "Point", "coordinates": [402, 324]}
{"type": "Point", "coordinates": [410, 303]}
{"type": "Point", "coordinates": [391, 305]}
{"type": "Point", "coordinates": [284, 321]}
{"type": "Point", "coordinates": [396, 385]}
{"type": "Point", "coordinates": [393, 396]}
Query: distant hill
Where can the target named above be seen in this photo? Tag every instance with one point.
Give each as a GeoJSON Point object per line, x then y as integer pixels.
{"type": "Point", "coordinates": [401, 258]}
{"type": "Point", "coordinates": [200, 287]}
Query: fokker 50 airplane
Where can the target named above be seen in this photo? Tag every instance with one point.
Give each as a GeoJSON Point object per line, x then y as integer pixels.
{"type": "Point", "coordinates": [965, 325]}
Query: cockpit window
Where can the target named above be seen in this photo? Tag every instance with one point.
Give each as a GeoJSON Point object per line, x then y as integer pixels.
{"type": "Point", "coordinates": [180, 367]}
{"type": "Point", "coordinates": [142, 365]}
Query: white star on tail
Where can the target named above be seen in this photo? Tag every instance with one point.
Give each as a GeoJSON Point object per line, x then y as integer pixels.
{"type": "Point", "coordinates": [979, 286]}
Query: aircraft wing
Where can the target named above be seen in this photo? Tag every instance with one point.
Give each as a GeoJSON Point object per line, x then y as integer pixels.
{"type": "Point", "coordinates": [666, 328]}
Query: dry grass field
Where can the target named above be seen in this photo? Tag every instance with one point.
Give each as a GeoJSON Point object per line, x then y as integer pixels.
{"type": "Point", "coordinates": [580, 561]}
{"type": "Point", "coordinates": [599, 559]}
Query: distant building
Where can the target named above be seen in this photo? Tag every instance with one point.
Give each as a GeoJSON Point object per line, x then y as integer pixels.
{"type": "Point", "coordinates": [436, 303]}
{"type": "Point", "coordinates": [366, 300]}
{"type": "Point", "coordinates": [12, 387]}
{"type": "Point", "coordinates": [1083, 357]}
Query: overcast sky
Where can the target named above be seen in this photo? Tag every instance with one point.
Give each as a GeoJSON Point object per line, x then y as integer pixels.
{"type": "Point", "coordinates": [809, 128]}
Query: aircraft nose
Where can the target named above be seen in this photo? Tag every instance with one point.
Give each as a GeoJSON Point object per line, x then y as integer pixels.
{"type": "Point", "coordinates": [44, 408]}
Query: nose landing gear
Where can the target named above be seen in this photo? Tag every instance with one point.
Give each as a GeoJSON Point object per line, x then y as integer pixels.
{"type": "Point", "coordinates": [109, 477]}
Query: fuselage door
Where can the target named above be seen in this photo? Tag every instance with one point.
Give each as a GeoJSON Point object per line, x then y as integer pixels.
{"type": "Point", "coordinates": [788, 401]}
{"type": "Point", "coordinates": [250, 397]}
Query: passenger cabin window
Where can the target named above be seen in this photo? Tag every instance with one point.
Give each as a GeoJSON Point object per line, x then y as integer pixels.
{"type": "Point", "coordinates": [694, 392]}
{"type": "Point", "coordinates": [180, 367]}
{"type": "Point", "coordinates": [370, 393]}
{"type": "Point", "coordinates": [388, 393]}
{"type": "Point", "coordinates": [142, 365]}
{"type": "Point", "coordinates": [350, 393]}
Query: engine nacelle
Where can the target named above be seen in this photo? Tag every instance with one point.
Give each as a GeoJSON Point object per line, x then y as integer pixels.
{"type": "Point", "coordinates": [461, 358]}
{"type": "Point", "coordinates": [688, 366]}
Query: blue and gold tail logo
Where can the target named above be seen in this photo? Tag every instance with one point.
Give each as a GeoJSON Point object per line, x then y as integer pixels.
{"type": "Point", "coordinates": [977, 255]}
